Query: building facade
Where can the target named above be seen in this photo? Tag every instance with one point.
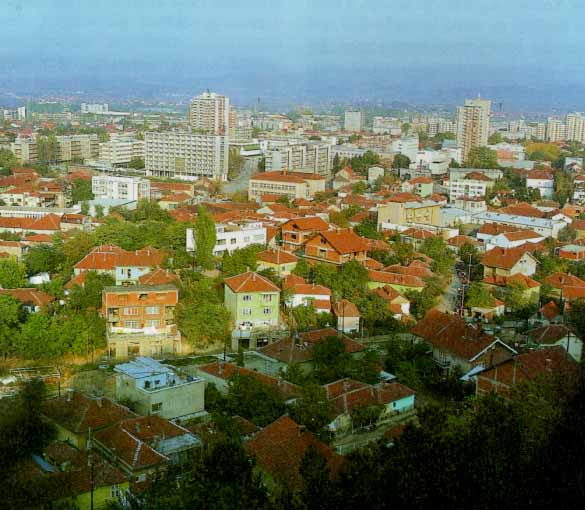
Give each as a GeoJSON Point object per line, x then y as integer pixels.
{"type": "Point", "coordinates": [473, 123]}
{"type": "Point", "coordinates": [355, 121]}
{"type": "Point", "coordinates": [113, 187]}
{"type": "Point", "coordinates": [209, 113]}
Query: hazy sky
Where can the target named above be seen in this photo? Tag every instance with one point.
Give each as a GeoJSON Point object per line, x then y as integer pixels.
{"type": "Point", "coordinates": [526, 51]}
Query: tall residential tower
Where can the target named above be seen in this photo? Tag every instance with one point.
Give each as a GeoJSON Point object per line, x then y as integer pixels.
{"type": "Point", "coordinates": [473, 124]}
{"type": "Point", "coordinates": [209, 114]}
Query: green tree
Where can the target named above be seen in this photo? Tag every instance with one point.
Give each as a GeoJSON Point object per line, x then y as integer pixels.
{"type": "Point", "coordinates": [478, 295]}
{"type": "Point", "coordinates": [8, 160]}
{"type": "Point", "coordinates": [313, 410]}
{"type": "Point", "coordinates": [205, 237]}
{"type": "Point", "coordinates": [401, 161]}
{"type": "Point", "coordinates": [44, 258]}
{"type": "Point", "coordinates": [495, 138]}
{"type": "Point", "coordinates": [368, 228]}
{"type": "Point", "coordinates": [12, 274]}
{"type": "Point", "coordinates": [81, 191]}
{"type": "Point", "coordinates": [90, 295]}
{"type": "Point", "coordinates": [482, 157]}
{"type": "Point", "coordinates": [137, 163]}
{"type": "Point", "coordinates": [236, 163]}
{"type": "Point", "coordinates": [240, 260]}
{"type": "Point", "coordinates": [9, 322]}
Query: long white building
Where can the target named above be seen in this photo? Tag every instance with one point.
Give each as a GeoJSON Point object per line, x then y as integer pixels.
{"type": "Point", "coordinates": [231, 236]}
{"type": "Point", "coordinates": [186, 155]}
{"type": "Point", "coordinates": [121, 150]}
{"type": "Point", "coordinates": [113, 187]}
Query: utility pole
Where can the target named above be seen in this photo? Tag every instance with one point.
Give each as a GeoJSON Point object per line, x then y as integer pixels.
{"type": "Point", "coordinates": [91, 467]}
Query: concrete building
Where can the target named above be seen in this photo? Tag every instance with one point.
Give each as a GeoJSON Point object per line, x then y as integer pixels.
{"type": "Point", "coordinates": [409, 209]}
{"type": "Point", "coordinates": [186, 155]}
{"type": "Point", "coordinates": [556, 130]}
{"type": "Point", "coordinates": [291, 184]}
{"type": "Point", "coordinates": [231, 236]}
{"type": "Point", "coordinates": [386, 125]}
{"type": "Point", "coordinates": [113, 187]}
{"type": "Point", "coordinates": [346, 151]}
{"type": "Point", "coordinates": [121, 150]}
{"type": "Point", "coordinates": [209, 114]}
{"type": "Point", "coordinates": [355, 121]}
{"type": "Point", "coordinates": [155, 388]}
{"type": "Point", "coordinates": [407, 146]}
{"type": "Point", "coordinates": [473, 123]}
{"type": "Point", "coordinates": [575, 123]}
{"type": "Point", "coordinates": [94, 108]}
{"type": "Point", "coordinates": [140, 320]}
{"type": "Point", "coordinates": [542, 180]}
{"type": "Point", "coordinates": [472, 185]}
{"type": "Point", "coordinates": [72, 147]}
{"type": "Point", "coordinates": [314, 157]}
{"type": "Point", "coordinates": [545, 226]}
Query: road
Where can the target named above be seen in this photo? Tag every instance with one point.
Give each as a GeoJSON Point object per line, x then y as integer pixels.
{"type": "Point", "coordinates": [240, 183]}
{"type": "Point", "coordinates": [450, 296]}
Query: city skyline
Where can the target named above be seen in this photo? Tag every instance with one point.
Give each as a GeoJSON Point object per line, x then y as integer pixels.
{"type": "Point", "coordinates": [440, 53]}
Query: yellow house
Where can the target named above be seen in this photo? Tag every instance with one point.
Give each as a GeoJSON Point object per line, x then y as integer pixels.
{"type": "Point", "coordinates": [408, 208]}
{"type": "Point", "coordinates": [281, 261]}
{"type": "Point", "coordinates": [400, 282]}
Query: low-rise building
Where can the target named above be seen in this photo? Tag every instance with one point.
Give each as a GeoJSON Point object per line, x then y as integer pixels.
{"type": "Point", "coordinates": [290, 184]}
{"type": "Point", "coordinates": [508, 262]}
{"type": "Point", "coordinates": [281, 262]}
{"type": "Point", "coordinates": [296, 232]}
{"type": "Point", "coordinates": [117, 187]}
{"type": "Point", "coordinates": [336, 247]}
{"type": "Point", "coordinates": [347, 316]}
{"type": "Point", "coordinates": [154, 388]}
{"type": "Point", "coordinates": [408, 209]}
{"type": "Point", "coordinates": [543, 180]}
{"type": "Point", "coordinates": [231, 236]}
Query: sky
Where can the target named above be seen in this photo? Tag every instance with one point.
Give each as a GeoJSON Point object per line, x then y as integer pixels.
{"type": "Point", "coordinates": [525, 53]}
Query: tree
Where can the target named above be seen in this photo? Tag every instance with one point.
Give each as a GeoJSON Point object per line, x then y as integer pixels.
{"type": "Point", "coordinates": [359, 188]}
{"type": "Point", "coordinates": [240, 260]}
{"type": "Point", "coordinates": [251, 398]}
{"type": "Point", "coordinates": [567, 234]}
{"type": "Point", "coordinates": [7, 160]}
{"type": "Point", "coordinates": [9, 321]}
{"type": "Point", "coordinates": [542, 151]}
{"type": "Point", "coordinates": [12, 274]}
{"type": "Point", "coordinates": [99, 211]}
{"type": "Point", "coordinates": [495, 138]}
{"type": "Point", "coordinates": [482, 157]}
{"type": "Point", "coordinates": [44, 258]}
{"type": "Point", "coordinates": [330, 361]}
{"type": "Point", "coordinates": [90, 295]}
{"type": "Point", "coordinates": [479, 296]}
{"type": "Point", "coordinates": [470, 257]}
{"type": "Point", "coordinates": [81, 191]}
{"type": "Point", "coordinates": [437, 249]}
{"type": "Point", "coordinates": [235, 163]}
{"type": "Point", "coordinates": [368, 228]}
{"type": "Point", "coordinates": [205, 237]}
{"type": "Point", "coordinates": [137, 163]}
{"type": "Point", "coordinates": [401, 161]}
{"type": "Point", "coordinates": [313, 410]}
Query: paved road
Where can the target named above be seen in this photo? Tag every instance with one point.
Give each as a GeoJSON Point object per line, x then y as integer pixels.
{"type": "Point", "coordinates": [240, 183]}
{"type": "Point", "coordinates": [449, 298]}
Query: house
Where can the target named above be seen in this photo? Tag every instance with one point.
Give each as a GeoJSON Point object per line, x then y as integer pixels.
{"type": "Point", "coordinates": [421, 186]}
{"type": "Point", "coordinates": [406, 209]}
{"type": "Point", "coordinates": [531, 287]}
{"type": "Point", "coordinates": [252, 300]}
{"type": "Point", "coordinates": [231, 236]}
{"type": "Point", "coordinates": [346, 395]}
{"type": "Point", "coordinates": [154, 388]}
{"type": "Point", "coordinates": [158, 277]}
{"type": "Point", "coordinates": [400, 282]}
{"type": "Point", "coordinates": [458, 344]}
{"type": "Point", "coordinates": [552, 362]}
{"type": "Point", "coordinates": [300, 293]}
{"type": "Point", "coordinates": [296, 232]}
{"type": "Point", "coordinates": [346, 176]}
{"type": "Point", "coordinates": [143, 446]}
{"type": "Point", "coordinates": [75, 414]}
{"type": "Point", "coordinates": [574, 252]}
{"type": "Point", "coordinates": [299, 350]}
{"type": "Point", "coordinates": [15, 248]}
{"type": "Point", "coordinates": [543, 180]}
{"type": "Point", "coordinates": [398, 305]}
{"type": "Point", "coordinates": [514, 239]}
{"type": "Point", "coordinates": [556, 335]}
{"type": "Point", "coordinates": [140, 320]}
{"type": "Point", "coordinates": [508, 262]}
{"type": "Point", "coordinates": [347, 316]}
{"type": "Point", "coordinates": [547, 227]}
{"type": "Point", "coordinates": [284, 183]}
{"type": "Point", "coordinates": [472, 185]}
{"type": "Point", "coordinates": [282, 262]}
{"type": "Point", "coordinates": [415, 268]}
{"type": "Point", "coordinates": [32, 300]}
{"type": "Point", "coordinates": [496, 309]}
{"type": "Point", "coordinates": [336, 247]}
{"type": "Point", "coordinates": [416, 236]}
{"type": "Point", "coordinates": [564, 284]}
{"type": "Point", "coordinates": [280, 447]}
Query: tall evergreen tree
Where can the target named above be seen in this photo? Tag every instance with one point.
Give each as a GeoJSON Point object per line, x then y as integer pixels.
{"type": "Point", "coordinates": [205, 238]}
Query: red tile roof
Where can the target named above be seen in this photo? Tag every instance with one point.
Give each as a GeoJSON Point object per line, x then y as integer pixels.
{"type": "Point", "coordinates": [345, 308]}
{"type": "Point", "coordinates": [108, 257]}
{"type": "Point", "coordinates": [396, 279]}
{"type": "Point", "coordinates": [421, 272]}
{"type": "Point", "coordinates": [547, 335]}
{"type": "Point", "coordinates": [522, 235]}
{"type": "Point", "coordinates": [158, 277]}
{"type": "Point", "coordinates": [345, 241]}
{"type": "Point", "coordinates": [284, 176]}
{"type": "Point", "coordinates": [550, 311]}
{"type": "Point", "coordinates": [563, 280]}
{"type": "Point", "coordinates": [503, 258]}
{"type": "Point", "coordinates": [519, 278]}
{"type": "Point", "coordinates": [281, 446]}
{"type": "Point", "coordinates": [276, 257]}
{"type": "Point", "coordinates": [250, 282]}
{"type": "Point", "coordinates": [308, 223]}
{"type": "Point", "coordinates": [29, 296]}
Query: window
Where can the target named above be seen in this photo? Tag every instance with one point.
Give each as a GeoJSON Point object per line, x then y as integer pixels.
{"type": "Point", "coordinates": [247, 297]}
{"type": "Point", "coordinates": [152, 310]}
{"type": "Point", "coordinates": [146, 385]}
{"type": "Point", "coordinates": [246, 311]}
{"type": "Point", "coordinates": [267, 311]}
{"type": "Point", "coordinates": [131, 310]}
{"type": "Point", "coordinates": [233, 241]}
{"type": "Point", "coordinates": [152, 323]}
{"type": "Point", "coordinates": [267, 297]}
{"type": "Point", "coordinates": [114, 491]}
{"type": "Point", "coordinates": [131, 324]}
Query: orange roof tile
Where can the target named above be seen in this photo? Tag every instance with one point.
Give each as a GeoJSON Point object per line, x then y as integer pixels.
{"type": "Point", "coordinates": [250, 282]}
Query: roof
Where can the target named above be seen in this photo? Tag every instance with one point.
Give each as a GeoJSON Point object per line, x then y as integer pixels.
{"type": "Point", "coordinates": [495, 229]}
{"type": "Point", "coordinates": [108, 257]}
{"type": "Point", "coordinates": [503, 258]}
{"type": "Point", "coordinates": [416, 270]}
{"type": "Point", "coordinates": [309, 289]}
{"type": "Point", "coordinates": [477, 176]}
{"type": "Point", "coordinates": [540, 174]}
{"type": "Point", "coordinates": [345, 308]}
{"type": "Point", "coordinates": [158, 277]}
{"type": "Point", "coordinates": [404, 280]}
{"type": "Point", "coordinates": [250, 282]}
{"type": "Point", "coordinates": [345, 241]}
{"type": "Point", "coordinates": [78, 413]}
{"type": "Point", "coordinates": [547, 335]}
{"type": "Point", "coordinates": [550, 311]}
{"type": "Point", "coordinates": [521, 235]}
{"type": "Point", "coordinates": [562, 280]}
{"type": "Point", "coordinates": [417, 233]}
{"type": "Point", "coordinates": [285, 176]}
{"type": "Point", "coordinates": [388, 293]}
{"type": "Point", "coordinates": [307, 223]}
{"type": "Point", "coordinates": [421, 180]}
{"type": "Point", "coordinates": [276, 257]}
{"type": "Point", "coordinates": [453, 334]}
{"type": "Point", "coordinates": [518, 278]}
{"type": "Point", "coordinates": [29, 296]}
{"type": "Point", "coordinates": [460, 240]}
{"type": "Point", "coordinates": [280, 447]}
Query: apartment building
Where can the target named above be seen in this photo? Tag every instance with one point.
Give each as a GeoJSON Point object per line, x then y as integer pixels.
{"type": "Point", "coordinates": [72, 147]}
{"type": "Point", "coordinates": [556, 130]}
{"type": "Point", "coordinates": [311, 156]}
{"type": "Point", "coordinates": [472, 185]}
{"type": "Point", "coordinates": [186, 155]}
{"type": "Point", "coordinates": [114, 187]}
{"type": "Point", "coordinates": [386, 125]}
{"type": "Point", "coordinates": [140, 320]}
{"type": "Point", "coordinates": [95, 108]}
{"type": "Point", "coordinates": [121, 150]}
{"type": "Point", "coordinates": [231, 236]}
{"type": "Point", "coordinates": [473, 123]}
{"type": "Point", "coordinates": [575, 123]}
{"type": "Point", "coordinates": [409, 209]}
{"type": "Point", "coordinates": [209, 113]}
{"type": "Point", "coordinates": [291, 184]}
{"type": "Point", "coordinates": [440, 125]}
{"type": "Point", "coordinates": [355, 121]}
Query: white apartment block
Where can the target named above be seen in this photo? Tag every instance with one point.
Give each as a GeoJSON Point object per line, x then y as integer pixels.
{"type": "Point", "coordinates": [407, 146]}
{"type": "Point", "coordinates": [355, 121]}
{"type": "Point", "coordinates": [186, 155]}
{"type": "Point", "coordinates": [440, 125]}
{"type": "Point", "coordinates": [209, 113]}
{"type": "Point", "coordinates": [556, 130]}
{"type": "Point", "coordinates": [346, 151]}
{"type": "Point", "coordinates": [231, 236]}
{"type": "Point", "coordinates": [114, 187]}
{"type": "Point", "coordinates": [272, 122]}
{"type": "Point", "coordinates": [386, 125]}
{"type": "Point", "coordinates": [94, 108]}
{"type": "Point", "coordinates": [311, 156]}
{"type": "Point", "coordinates": [71, 147]}
{"type": "Point", "coordinates": [575, 123]}
{"type": "Point", "coordinates": [121, 150]}
{"type": "Point", "coordinates": [473, 124]}
{"type": "Point", "coordinates": [468, 187]}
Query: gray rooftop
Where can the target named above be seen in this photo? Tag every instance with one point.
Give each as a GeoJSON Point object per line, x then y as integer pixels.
{"type": "Point", "coordinates": [142, 366]}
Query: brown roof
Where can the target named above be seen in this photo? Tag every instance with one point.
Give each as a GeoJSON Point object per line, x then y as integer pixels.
{"type": "Point", "coordinates": [307, 223]}
{"type": "Point", "coordinates": [280, 447]}
{"type": "Point", "coordinates": [78, 413]}
{"type": "Point", "coordinates": [395, 279]}
{"type": "Point", "coordinates": [541, 174]}
{"type": "Point", "coordinates": [563, 280]}
{"type": "Point", "coordinates": [477, 176]}
{"type": "Point", "coordinates": [417, 233]}
{"type": "Point", "coordinates": [403, 197]}
{"type": "Point", "coordinates": [309, 289]}
{"type": "Point", "coordinates": [522, 235]}
{"type": "Point", "coordinates": [345, 241]}
{"type": "Point", "coordinates": [387, 293]}
{"type": "Point", "coordinates": [276, 257]}
{"type": "Point", "coordinates": [550, 311]}
{"type": "Point", "coordinates": [284, 176]}
{"type": "Point", "coordinates": [29, 296]}
{"type": "Point", "coordinates": [250, 282]}
{"type": "Point", "coordinates": [547, 335]}
{"type": "Point", "coordinates": [421, 272]}
{"type": "Point", "coordinates": [421, 180]}
{"type": "Point", "coordinates": [345, 308]}
{"type": "Point", "coordinates": [108, 257]}
{"type": "Point", "coordinates": [453, 334]}
{"type": "Point", "coordinates": [158, 277]}
{"type": "Point", "coordinates": [503, 258]}
{"type": "Point", "coordinates": [501, 280]}
{"type": "Point", "coordinates": [495, 229]}
{"type": "Point", "coordinates": [460, 240]}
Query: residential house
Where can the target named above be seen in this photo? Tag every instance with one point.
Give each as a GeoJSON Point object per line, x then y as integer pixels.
{"type": "Point", "coordinates": [400, 282]}
{"type": "Point", "coordinates": [32, 300]}
{"type": "Point", "coordinates": [281, 262]}
{"type": "Point", "coordinates": [300, 293]}
{"type": "Point", "coordinates": [408, 209]}
{"type": "Point", "coordinates": [279, 450]}
{"type": "Point", "coordinates": [346, 177]}
{"type": "Point", "coordinates": [508, 262]}
{"type": "Point", "coordinates": [471, 185]}
{"type": "Point", "coordinates": [140, 320]}
{"type": "Point", "coordinates": [514, 239]}
{"type": "Point", "coordinates": [556, 335]}
{"type": "Point", "coordinates": [336, 247]}
{"type": "Point", "coordinates": [458, 344]}
{"type": "Point", "coordinates": [547, 227]}
{"type": "Point", "coordinates": [253, 301]}
{"type": "Point", "coordinates": [296, 232]}
{"type": "Point", "coordinates": [154, 388]}
{"type": "Point", "coordinates": [543, 180]}
{"type": "Point", "coordinates": [398, 305]}
{"type": "Point", "coordinates": [564, 284]}
{"type": "Point", "coordinates": [231, 236]}
{"type": "Point", "coordinates": [553, 362]}
{"type": "Point", "coordinates": [574, 252]}
{"type": "Point", "coordinates": [421, 186]}
{"type": "Point", "coordinates": [531, 287]}
{"type": "Point", "coordinates": [347, 316]}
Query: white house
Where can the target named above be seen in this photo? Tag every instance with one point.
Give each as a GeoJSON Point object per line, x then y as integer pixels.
{"type": "Point", "coordinates": [231, 236]}
{"type": "Point", "coordinates": [544, 226]}
{"type": "Point", "coordinates": [514, 239]}
{"type": "Point", "coordinates": [556, 335]}
{"type": "Point", "coordinates": [304, 294]}
{"type": "Point", "coordinates": [118, 187]}
{"type": "Point", "coordinates": [472, 185]}
{"type": "Point", "coordinates": [543, 180]}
